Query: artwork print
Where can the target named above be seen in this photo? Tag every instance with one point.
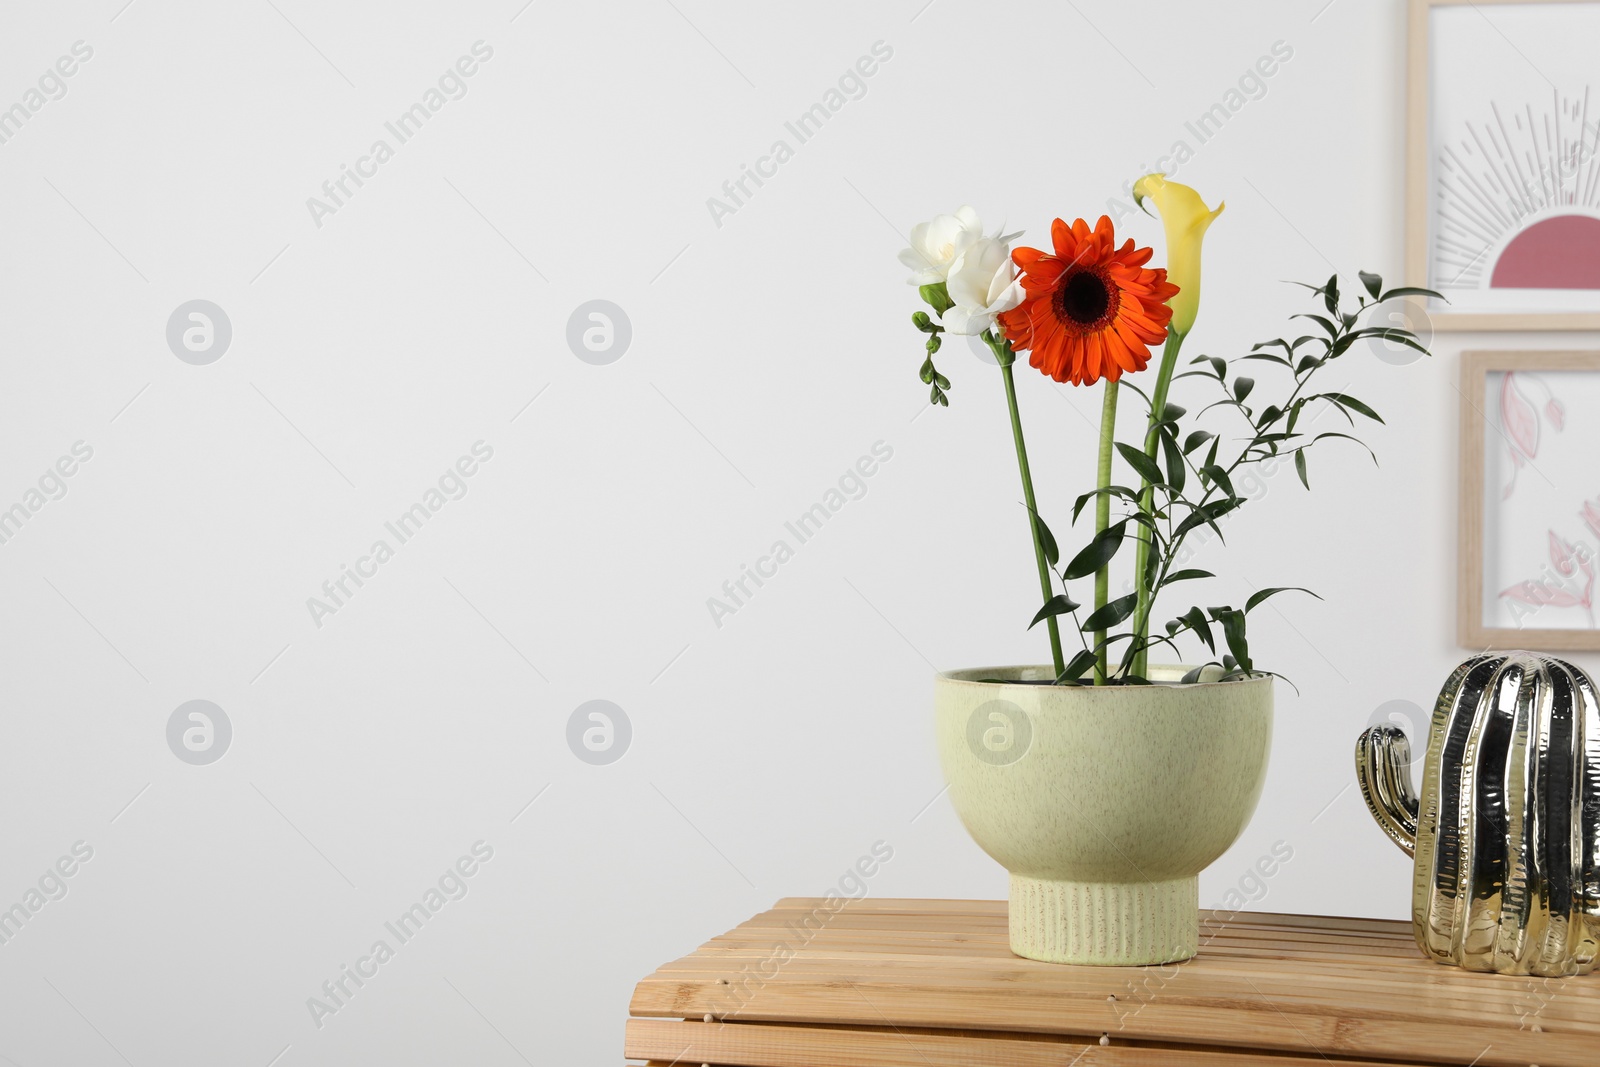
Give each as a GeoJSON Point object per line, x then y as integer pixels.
{"type": "Point", "coordinates": [1542, 499]}
{"type": "Point", "coordinates": [1513, 198]}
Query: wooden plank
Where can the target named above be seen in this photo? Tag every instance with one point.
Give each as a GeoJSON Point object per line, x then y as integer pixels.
{"type": "Point", "coordinates": [1278, 984]}
{"type": "Point", "coordinates": [1256, 962]}
{"type": "Point", "coordinates": [762, 1045]}
{"type": "Point", "coordinates": [1313, 993]}
{"type": "Point", "coordinates": [1262, 1024]}
{"type": "Point", "coordinates": [1262, 967]}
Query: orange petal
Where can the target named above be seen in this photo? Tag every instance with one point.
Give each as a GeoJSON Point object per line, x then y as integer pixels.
{"type": "Point", "coordinates": [1026, 257]}
{"type": "Point", "coordinates": [1064, 239]}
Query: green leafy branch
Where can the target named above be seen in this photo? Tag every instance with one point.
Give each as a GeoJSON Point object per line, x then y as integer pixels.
{"type": "Point", "coordinates": [1190, 482]}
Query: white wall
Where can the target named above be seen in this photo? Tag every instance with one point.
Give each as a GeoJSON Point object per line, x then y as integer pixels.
{"type": "Point", "coordinates": [768, 354]}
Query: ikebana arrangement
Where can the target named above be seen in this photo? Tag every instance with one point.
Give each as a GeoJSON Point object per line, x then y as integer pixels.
{"type": "Point", "coordinates": [1088, 312]}
{"type": "Point", "coordinates": [1104, 783]}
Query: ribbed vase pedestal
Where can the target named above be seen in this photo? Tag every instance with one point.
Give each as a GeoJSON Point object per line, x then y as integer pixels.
{"type": "Point", "coordinates": [1108, 924]}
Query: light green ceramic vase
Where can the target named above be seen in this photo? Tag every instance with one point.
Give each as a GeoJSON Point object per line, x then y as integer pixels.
{"type": "Point", "coordinates": [1104, 804]}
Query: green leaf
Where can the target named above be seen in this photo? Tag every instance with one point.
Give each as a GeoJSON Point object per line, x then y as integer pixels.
{"type": "Point", "coordinates": [1347, 416]}
{"type": "Point", "coordinates": [1173, 412]}
{"type": "Point", "coordinates": [1242, 387]}
{"type": "Point", "coordinates": [1079, 663]}
{"type": "Point", "coordinates": [1261, 594]}
{"type": "Point", "coordinates": [1373, 282]}
{"type": "Point", "coordinates": [1233, 630]}
{"type": "Point", "coordinates": [1219, 476]}
{"type": "Point", "coordinates": [1412, 290]}
{"type": "Point", "coordinates": [1300, 467]}
{"type": "Point", "coordinates": [1195, 440]}
{"type": "Point", "coordinates": [1330, 295]}
{"type": "Point", "coordinates": [1309, 363]}
{"type": "Point", "coordinates": [1098, 552]}
{"type": "Point", "coordinates": [1110, 615]}
{"type": "Point", "coordinates": [1396, 335]}
{"type": "Point", "coordinates": [1126, 382]}
{"type": "Point", "coordinates": [1207, 514]}
{"type": "Point", "coordinates": [1269, 416]}
{"type": "Point", "coordinates": [1185, 575]}
{"type": "Point", "coordinates": [1047, 541]}
{"type": "Point", "coordinates": [937, 296]}
{"type": "Point", "coordinates": [1146, 520]}
{"type": "Point", "coordinates": [1177, 472]}
{"type": "Point", "coordinates": [1217, 364]}
{"type": "Point", "coordinates": [1141, 463]}
{"type": "Point", "coordinates": [1060, 604]}
{"type": "Point", "coordinates": [1294, 413]}
{"type": "Point", "coordinates": [1347, 437]}
{"type": "Point", "coordinates": [1121, 491]}
{"type": "Point", "coordinates": [1333, 331]}
{"type": "Point", "coordinates": [1269, 357]}
{"type": "Point", "coordinates": [1345, 400]}
{"type": "Point", "coordinates": [1197, 622]}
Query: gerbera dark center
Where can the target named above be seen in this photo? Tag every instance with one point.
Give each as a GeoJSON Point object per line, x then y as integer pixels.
{"type": "Point", "coordinates": [1085, 298]}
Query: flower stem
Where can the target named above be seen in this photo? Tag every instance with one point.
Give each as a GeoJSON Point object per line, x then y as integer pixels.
{"type": "Point", "coordinates": [1102, 519]}
{"type": "Point", "coordinates": [1006, 357]}
{"type": "Point", "coordinates": [1141, 576]}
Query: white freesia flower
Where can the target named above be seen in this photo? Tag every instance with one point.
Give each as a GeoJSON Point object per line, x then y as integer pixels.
{"type": "Point", "coordinates": [982, 283]}
{"type": "Point", "coordinates": [935, 245]}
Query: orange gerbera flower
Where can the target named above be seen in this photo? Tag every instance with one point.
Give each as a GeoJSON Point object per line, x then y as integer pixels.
{"type": "Point", "coordinates": [1092, 311]}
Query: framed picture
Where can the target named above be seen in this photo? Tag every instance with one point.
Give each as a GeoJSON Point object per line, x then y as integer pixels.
{"type": "Point", "coordinates": [1530, 500]}
{"type": "Point", "coordinates": [1503, 162]}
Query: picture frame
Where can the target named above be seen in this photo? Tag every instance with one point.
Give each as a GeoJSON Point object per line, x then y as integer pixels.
{"type": "Point", "coordinates": [1529, 532]}
{"type": "Point", "coordinates": [1503, 164]}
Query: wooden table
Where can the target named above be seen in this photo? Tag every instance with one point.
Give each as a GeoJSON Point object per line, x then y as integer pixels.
{"type": "Point", "coordinates": [931, 983]}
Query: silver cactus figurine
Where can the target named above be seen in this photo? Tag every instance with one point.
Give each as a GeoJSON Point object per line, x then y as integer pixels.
{"type": "Point", "coordinates": [1506, 835]}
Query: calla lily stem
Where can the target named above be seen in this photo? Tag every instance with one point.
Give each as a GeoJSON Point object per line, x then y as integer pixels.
{"type": "Point", "coordinates": [1152, 442]}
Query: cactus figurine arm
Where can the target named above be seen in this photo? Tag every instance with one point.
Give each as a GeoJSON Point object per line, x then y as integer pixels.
{"type": "Point", "coordinates": [1383, 767]}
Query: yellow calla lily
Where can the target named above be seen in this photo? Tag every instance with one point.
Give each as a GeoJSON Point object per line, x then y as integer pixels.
{"type": "Point", "coordinates": [1185, 217]}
